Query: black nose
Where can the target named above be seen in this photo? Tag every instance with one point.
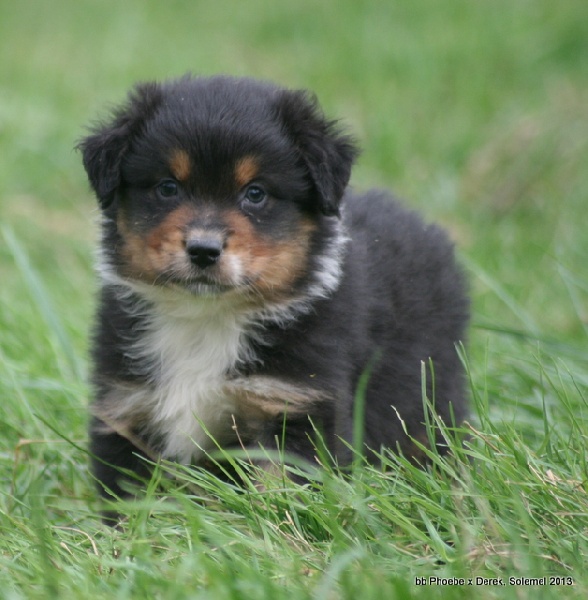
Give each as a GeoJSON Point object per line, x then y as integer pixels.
{"type": "Point", "coordinates": [204, 252]}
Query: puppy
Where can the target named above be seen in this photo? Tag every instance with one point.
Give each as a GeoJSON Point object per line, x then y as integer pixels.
{"type": "Point", "coordinates": [245, 290]}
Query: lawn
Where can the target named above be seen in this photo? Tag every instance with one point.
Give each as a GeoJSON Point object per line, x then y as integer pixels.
{"type": "Point", "coordinates": [475, 112]}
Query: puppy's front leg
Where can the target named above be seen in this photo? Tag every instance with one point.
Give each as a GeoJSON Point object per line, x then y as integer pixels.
{"type": "Point", "coordinates": [116, 462]}
{"type": "Point", "coordinates": [282, 416]}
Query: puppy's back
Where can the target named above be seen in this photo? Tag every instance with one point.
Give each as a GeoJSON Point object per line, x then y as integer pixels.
{"type": "Point", "coordinates": [418, 310]}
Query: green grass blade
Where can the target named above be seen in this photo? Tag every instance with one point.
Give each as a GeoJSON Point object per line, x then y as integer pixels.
{"type": "Point", "coordinates": [41, 298]}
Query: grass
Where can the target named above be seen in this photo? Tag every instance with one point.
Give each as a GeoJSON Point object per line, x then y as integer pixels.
{"type": "Point", "coordinates": [475, 111]}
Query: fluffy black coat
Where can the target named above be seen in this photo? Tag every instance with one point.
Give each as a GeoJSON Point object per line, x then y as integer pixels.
{"type": "Point", "coordinates": [243, 285]}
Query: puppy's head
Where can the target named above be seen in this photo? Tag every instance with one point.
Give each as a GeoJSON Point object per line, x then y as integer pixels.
{"type": "Point", "coordinates": [217, 186]}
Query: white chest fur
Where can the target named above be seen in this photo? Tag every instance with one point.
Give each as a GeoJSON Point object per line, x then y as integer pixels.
{"type": "Point", "coordinates": [187, 349]}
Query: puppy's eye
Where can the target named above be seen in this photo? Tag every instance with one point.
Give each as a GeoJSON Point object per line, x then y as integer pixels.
{"type": "Point", "coordinates": [255, 194]}
{"type": "Point", "coordinates": [168, 188]}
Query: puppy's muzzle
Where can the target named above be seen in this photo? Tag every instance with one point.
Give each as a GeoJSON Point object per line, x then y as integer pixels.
{"type": "Point", "coordinates": [204, 251]}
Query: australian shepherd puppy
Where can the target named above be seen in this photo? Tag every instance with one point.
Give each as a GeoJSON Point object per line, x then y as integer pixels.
{"type": "Point", "coordinates": [245, 289]}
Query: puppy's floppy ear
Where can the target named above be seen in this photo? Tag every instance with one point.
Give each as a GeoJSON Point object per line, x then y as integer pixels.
{"type": "Point", "coordinates": [327, 153]}
{"type": "Point", "coordinates": [104, 150]}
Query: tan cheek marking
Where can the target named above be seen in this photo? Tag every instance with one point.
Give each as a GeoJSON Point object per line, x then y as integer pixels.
{"type": "Point", "coordinates": [273, 266]}
{"type": "Point", "coordinates": [287, 263]}
{"type": "Point", "coordinates": [245, 170]}
{"type": "Point", "coordinates": [180, 165]}
{"type": "Point", "coordinates": [148, 256]}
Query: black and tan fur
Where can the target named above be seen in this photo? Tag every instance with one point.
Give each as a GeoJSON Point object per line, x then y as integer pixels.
{"type": "Point", "coordinates": [244, 285]}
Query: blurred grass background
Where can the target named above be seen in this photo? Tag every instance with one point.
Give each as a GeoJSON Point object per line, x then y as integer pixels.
{"type": "Point", "coordinates": [474, 111]}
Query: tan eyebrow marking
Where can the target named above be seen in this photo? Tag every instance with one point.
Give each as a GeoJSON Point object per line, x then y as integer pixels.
{"type": "Point", "coordinates": [180, 165]}
{"type": "Point", "coordinates": [245, 170]}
